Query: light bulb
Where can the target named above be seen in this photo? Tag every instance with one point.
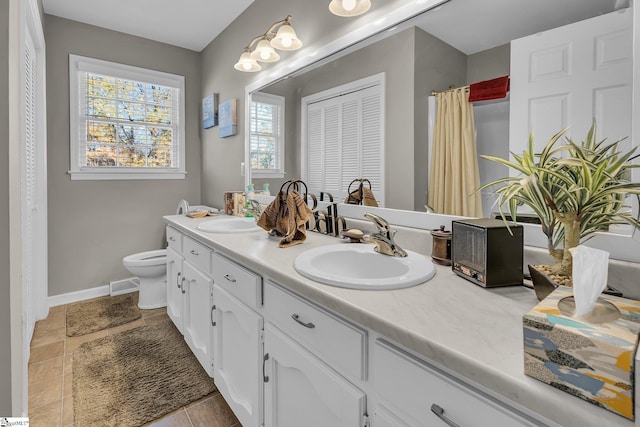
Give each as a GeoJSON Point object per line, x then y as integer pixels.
{"type": "Point", "coordinates": [264, 55]}
{"type": "Point", "coordinates": [246, 65]}
{"type": "Point", "coordinates": [348, 5]}
{"type": "Point", "coordinates": [286, 41]}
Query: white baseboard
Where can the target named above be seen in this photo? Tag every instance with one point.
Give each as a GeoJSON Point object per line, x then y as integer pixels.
{"type": "Point", "coordinates": [82, 295]}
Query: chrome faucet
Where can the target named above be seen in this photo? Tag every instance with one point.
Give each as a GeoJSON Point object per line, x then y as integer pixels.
{"type": "Point", "coordinates": [254, 209]}
{"type": "Point", "coordinates": [383, 238]}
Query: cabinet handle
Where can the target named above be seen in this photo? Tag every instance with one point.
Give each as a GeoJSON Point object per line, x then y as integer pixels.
{"type": "Point", "coordinates": [194, 252]}
{"type": "Point", "coordinates": [178, 282]}
{"type": "Point", "coordinates": [306, 325]}
{"type": "Point", "coordinates": [436, 409]}
{"type": "Point", "coordinates": [264, 361]}
{"type": "Point", "coordinates": [182, 285]}
{"type": "Point", "coordinates": [173, 239]}
{"type": "Point", "coordinates": [230, 278]}
{"type": "Point", "coordinates": [213, 322]}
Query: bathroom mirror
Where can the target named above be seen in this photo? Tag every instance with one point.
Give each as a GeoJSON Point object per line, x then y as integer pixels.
{"type": "Point", "coordinates": [457, 23]}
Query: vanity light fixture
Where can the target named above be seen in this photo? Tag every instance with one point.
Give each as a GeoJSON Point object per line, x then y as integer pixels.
{"type": "Point", "coordinates": [349, 7]}
{"type": "Point", "coordinates": [283, 39]}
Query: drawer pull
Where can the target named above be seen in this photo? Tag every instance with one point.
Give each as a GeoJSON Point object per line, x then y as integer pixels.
{"type": "Point", "coordinates": [178, 282]}
{"type": "Point", "coordinates": [194, 252]}
{"type": "Point", "coordinates": [230, 278]}
{"type": "Point", "coordinates": [440, 414]}
{"type": "Point", "coordinates": [173, 239]}
{"type": "Point", "coordinates": [306, 325]}
{"type": "Point", "coordinates": [182, 285]}
{"type": "Point", "coordinates": [265, 378]}
{"type": "Point", "coordinates": [213, 322]}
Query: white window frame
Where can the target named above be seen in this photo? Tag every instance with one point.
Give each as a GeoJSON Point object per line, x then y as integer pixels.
{"type": "Point", "coordinates": [278, 101]}
{"type": "Point", "coordinates": [79, 65]}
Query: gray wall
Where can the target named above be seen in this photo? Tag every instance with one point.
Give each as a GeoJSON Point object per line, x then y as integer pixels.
{"type": "Point", "coordinates": [94, 224]}
{"type": "Point", "coordinates": [489, 64]}
{"type": "Point", "coordinates": [437, 66]}
{"type": "Point", "coordinates": [5, 307]}
{"type": "Point", "coordinates": [397, 66]}
{"type": "Point", "coordinates": [314, 25]}
{"type": "Point", "coordinates": [409, 56]}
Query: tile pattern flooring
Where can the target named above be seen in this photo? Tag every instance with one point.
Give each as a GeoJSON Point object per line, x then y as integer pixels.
{"type": "Point", "coordinates": [50, 373]}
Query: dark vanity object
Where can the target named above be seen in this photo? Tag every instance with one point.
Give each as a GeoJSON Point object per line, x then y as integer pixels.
{"type": "Point", "coordinates": [484, 252]}
{"type": "Point", "coordinates": [441, 248]}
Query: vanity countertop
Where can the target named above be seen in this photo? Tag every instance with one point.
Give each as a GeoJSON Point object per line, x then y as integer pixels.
{"type": "Point", "coordinates": [472, 331]}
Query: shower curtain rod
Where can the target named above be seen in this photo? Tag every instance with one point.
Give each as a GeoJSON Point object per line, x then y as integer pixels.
{"type": "Point", "coordinates": [452, 87]}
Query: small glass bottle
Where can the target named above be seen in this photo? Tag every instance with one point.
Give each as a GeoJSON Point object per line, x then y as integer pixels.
{"type": "Point", "coordinates": [265, 189]}
{"type": "Point", "coordinates": [250, 192]}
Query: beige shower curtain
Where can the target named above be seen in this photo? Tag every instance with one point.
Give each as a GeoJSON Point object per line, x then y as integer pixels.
{"type": "Point", "coordinates": [454, 175]}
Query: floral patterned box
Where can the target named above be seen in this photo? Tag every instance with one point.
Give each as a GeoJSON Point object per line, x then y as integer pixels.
{"type": "Point", "coordinates": [594, 362]}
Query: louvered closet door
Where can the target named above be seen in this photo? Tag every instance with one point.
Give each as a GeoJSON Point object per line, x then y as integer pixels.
{"type": "Point", "coordinates": [344, 141]}
{"type": "Point", "coordinates": [29, 173]}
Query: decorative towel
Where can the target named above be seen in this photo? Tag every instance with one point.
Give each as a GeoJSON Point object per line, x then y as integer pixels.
{"type": "Point", "coordinates": [368, 199]}
{"type": "Point", "coordinates": [287, 216]}
{"type": "Point", "coordinates": [489, 89]}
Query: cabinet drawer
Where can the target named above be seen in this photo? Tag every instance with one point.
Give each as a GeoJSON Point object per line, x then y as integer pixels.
{"type": "Point", "coordinates": [237, 280]}
{"type": "Point", "coordinates": [338, 343]}
{"type": "Point", "coordinates": [174, 239]}
{"type": "Point", "coordinates": [197, 254]}
{"type": "Point", "coordinates": [411, 387]}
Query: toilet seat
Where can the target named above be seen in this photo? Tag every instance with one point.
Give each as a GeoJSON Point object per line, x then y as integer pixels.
{"type": "Point", "coordinates": [144, 259]}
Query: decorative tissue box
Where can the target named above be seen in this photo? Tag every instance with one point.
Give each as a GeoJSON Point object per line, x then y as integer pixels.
{"type": "Point", "coordinates": [593, 361]}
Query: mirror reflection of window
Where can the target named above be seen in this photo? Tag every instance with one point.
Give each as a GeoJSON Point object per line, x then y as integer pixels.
{"type": "Point", "coordinates": [267, 136]}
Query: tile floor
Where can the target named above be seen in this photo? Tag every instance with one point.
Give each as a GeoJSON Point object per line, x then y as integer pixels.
{"type": "Point", "coordinates": [50, 373]}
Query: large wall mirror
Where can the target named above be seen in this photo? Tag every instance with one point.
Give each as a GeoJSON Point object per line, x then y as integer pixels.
{"type": "Point", "coordinates": [454, 43]}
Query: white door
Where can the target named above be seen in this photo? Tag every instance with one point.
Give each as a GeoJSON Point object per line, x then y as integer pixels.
{"type": "Point", "coordinates": [568, 76]}
{"type": "Point", "coordinates": [300, 390]}
{"type": "Point", "coordinates": [175, 279]}
{"type": "Point", "coordinates": [343, 137]}
{"type": "Point", "coordinates": [197, 315]}
{"type": "Point", "coordinates": [238, 356]}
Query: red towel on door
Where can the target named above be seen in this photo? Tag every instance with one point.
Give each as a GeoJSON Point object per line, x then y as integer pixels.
{"type": "Point", "coordinates": [489, 89]}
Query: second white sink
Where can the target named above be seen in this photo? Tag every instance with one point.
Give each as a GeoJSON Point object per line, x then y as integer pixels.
{"type": "Point", "coordinates": [229, 225]}
{"type": "Point", "coordinates": [358, 266]}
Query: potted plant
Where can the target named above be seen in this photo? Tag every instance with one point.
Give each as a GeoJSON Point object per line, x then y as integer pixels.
{"type": "Point", "coordinates": [575, 189]}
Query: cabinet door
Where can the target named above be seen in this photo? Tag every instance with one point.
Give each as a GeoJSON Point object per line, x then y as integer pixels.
{"type": "Point", "coordinates": [420, 395]}
{"type": "Point", "coordinates": [238, 356]}
{"type": "Point", "coordinates": [174, 288]}
{"type": "Point", "coordinates": [197, 315]}
{"type": "Point", "coordinates": [300, 390]}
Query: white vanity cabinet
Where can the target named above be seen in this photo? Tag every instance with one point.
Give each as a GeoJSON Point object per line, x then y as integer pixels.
{"type": "Point", "coordinates": [300, 390]}
{"type": "Point", "coordinates": [237, 339]}
{"type": "Point", "coordinates": [306, 349]}
{"type": "Point", "coordinates": [175, 300]}
{"type": "Point", "coordinates": [412, 393]}
{"type": "Point", "coordinates": [175, 279]}
{"type": "Point", "coordinates": [197, 288]}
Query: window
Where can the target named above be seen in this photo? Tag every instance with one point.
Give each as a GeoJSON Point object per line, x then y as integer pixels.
{"type": "Point", "coordinates": [126, 122]}
{"type": "Point", "coordinates": [267, 136]}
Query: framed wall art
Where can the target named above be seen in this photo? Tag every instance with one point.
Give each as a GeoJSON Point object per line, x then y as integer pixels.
{"type": "Point", "coordinates": [210, 111]}
{"type": "Point", "coordinates": [227, 114]}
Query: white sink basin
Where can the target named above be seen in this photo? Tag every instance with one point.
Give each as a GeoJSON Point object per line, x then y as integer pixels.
{"type": "Point", "coordinates": [358, 266]}
{"type": "Point", "coordinates": [229, 225]}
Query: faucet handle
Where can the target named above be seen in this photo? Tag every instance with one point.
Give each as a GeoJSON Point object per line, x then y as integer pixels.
{"type": "Point", "coordinates": [381, 224]}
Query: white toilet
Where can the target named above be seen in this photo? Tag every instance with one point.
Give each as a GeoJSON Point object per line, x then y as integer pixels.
{"type": "Point", "coordinates": [151, 268]}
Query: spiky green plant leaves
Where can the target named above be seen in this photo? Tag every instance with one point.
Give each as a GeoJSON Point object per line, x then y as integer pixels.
{"type": "Point", "coordinates": [575, 190]}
